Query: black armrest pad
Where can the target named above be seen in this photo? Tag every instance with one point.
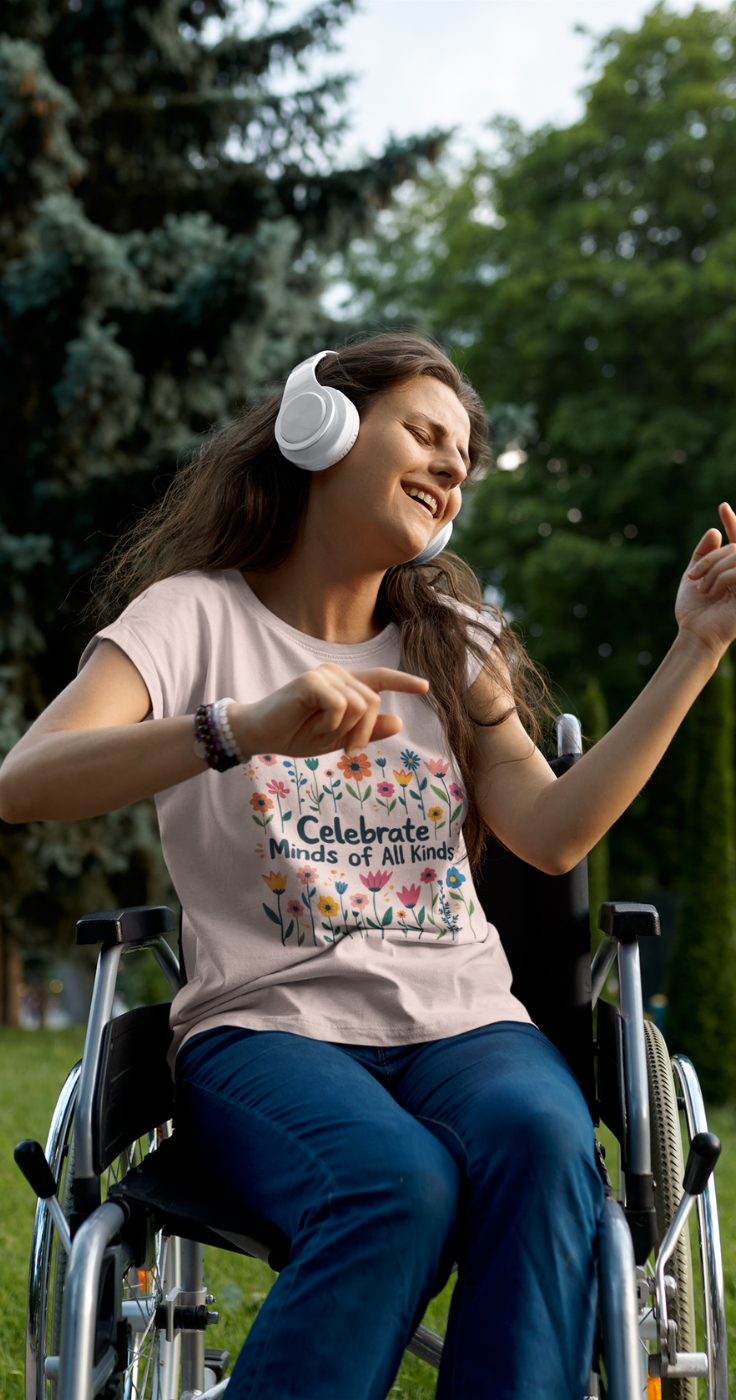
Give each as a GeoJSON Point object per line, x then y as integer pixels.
{"type": "Point", "coordinates": [128, 926]}
{"type": "Point", "coordinates": [627, 922]}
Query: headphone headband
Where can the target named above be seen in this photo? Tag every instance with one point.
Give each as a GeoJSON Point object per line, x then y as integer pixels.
{"type": "Point", "coordinates": [317, 426]}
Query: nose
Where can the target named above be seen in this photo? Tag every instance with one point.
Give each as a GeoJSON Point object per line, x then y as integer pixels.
{"type": "Point", "coordinates": [450, 466]}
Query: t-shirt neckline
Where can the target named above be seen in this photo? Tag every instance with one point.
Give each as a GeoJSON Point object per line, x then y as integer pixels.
{"type": "Point", "coordinates": [331, 650]}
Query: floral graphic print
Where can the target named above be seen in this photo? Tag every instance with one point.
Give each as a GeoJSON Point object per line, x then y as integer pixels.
{"type": "Point", "coordinates": [401, 850]}
{"type": "Point", "coordinates": [357, 768]}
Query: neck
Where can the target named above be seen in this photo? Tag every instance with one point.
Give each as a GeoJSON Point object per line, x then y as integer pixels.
{"type": "Point", "coordinates": [326, 600]}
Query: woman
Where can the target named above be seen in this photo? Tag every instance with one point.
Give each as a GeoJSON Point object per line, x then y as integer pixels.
{"type": "Point", "coordinates": [351, 1063]}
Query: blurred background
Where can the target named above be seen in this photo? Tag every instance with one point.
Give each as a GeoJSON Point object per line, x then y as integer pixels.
{"type": "Point", "coordinates": [194, 196]}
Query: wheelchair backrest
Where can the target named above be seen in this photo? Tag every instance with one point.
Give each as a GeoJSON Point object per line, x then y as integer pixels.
{"type": "Point", "coordinates": [543, 922]}
{"type": "Point", "coordinates": [134, 1090]}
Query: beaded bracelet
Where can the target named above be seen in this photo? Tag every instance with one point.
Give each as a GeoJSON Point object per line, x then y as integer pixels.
{"type": "Point", "coordinates": [214, 740]}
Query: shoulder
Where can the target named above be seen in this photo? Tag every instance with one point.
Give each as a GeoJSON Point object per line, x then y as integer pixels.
{"type": "Point", "coordinates": [185, 598]}
{"type": "Point", "coordinates": [487, 620]}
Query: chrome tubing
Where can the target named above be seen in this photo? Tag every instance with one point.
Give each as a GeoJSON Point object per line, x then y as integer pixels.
{"type": "Point", "coordinates": [639, 1156]}
{"type": "Point", "coordinates": [709, 1239]}
{"type": "Point", "coordinates": [619, 1305]}
{"type": "Point", "coordinates": [601, 965]}
{"type": "Point", "coordinates": [169, 964]}
{"type": "Point", "coordinates": [192, 1343]}
{"type": "Point", "coordinates": [79, 1319]}
{"type": "Point", "coordinates": [170, 1351]}
{"type": "Point", "coordinates": [100, 1012]}
{"type": "Point", "coordinates": [568, 734]}
{"type": "Point", "coordinates": [40, 1267]}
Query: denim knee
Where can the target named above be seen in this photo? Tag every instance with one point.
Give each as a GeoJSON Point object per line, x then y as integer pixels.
{"type": "Point", "coordinates": [403, 1176]}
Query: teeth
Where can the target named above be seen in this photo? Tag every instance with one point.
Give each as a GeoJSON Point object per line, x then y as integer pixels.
{"type": "Point", "coordinates": [423, 496]}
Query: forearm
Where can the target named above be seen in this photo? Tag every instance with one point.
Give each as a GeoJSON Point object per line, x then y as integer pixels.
{"type": "Point", "coordinates": [68, 774]}
{"type": "Point", "coordinates": [570, 815]}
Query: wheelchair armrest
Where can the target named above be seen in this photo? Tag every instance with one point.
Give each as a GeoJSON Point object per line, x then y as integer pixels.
{"type": "Point", "coordinates": [627, 922]}
{"type": "Point", "coordinates": [130, 927]}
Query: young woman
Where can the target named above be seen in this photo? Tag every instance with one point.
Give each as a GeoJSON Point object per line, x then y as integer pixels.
{"type": "Point", "coordinates": [351, 1063]}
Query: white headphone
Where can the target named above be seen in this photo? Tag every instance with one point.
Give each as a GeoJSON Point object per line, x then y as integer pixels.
{"type": "Point", "coordinates": [317, 426]}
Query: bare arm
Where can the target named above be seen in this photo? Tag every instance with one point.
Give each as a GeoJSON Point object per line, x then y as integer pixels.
{"type": "Point", "coordinates": [552, 823]}
{"type": "Point", "coordinates": [89, 753]}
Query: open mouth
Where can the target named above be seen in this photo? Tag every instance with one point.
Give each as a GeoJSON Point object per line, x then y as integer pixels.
{"type": "Point", "coordinates": [424, 499]}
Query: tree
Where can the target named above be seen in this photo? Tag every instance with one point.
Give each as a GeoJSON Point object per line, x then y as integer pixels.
{"type": "Point", "coordinates": [166, 216]}
{"type": "Point", "coordinates": [701, 1016]}
{"type": "Point", "coordinates": [589, 274]}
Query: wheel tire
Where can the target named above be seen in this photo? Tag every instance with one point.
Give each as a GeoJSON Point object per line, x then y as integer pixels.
{"type": "Point", "coordinates": [668, 1171]}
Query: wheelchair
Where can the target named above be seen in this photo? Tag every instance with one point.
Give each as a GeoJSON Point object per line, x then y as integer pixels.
{"type": "Point", "coordinates": [117, 1307]}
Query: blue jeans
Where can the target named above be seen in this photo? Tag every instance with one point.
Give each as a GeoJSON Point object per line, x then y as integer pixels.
{"type": "Point", "coordinates": [383, 1166]}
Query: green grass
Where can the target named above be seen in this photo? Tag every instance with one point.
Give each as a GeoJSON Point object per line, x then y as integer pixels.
{"type": "Point", "coordinates": [34, 1066]}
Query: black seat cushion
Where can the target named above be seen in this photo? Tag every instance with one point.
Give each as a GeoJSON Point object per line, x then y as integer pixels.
{"type": "Point", "coordinates": [186, 1204]}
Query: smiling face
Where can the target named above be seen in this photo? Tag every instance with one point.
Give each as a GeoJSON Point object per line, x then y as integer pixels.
{"type": "Point", "coordinates": [400, 483]}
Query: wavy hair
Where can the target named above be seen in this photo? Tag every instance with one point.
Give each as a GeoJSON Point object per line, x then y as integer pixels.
{"type": "Point", "coordinates": [239, 504]}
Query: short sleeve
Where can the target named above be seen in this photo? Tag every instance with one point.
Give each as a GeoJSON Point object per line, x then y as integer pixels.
{"type": "Point", "coordinates": [484, 628]}
{"type": "Point", "coordinates": [163, 632]}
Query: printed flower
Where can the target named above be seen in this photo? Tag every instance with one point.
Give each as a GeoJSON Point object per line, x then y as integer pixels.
{"type": "Point", "coordinates": [437, 767]}
{"type": "Point", "coordinates": [456, 791]}
{"type": "Point", "coordinates": [276, 881]}
{"type": "Point", "coordinates": [357, 768]}
{"type": "Point", "coordinates": [359, 901]}
{"type": "Point", "coordinates": [381, 761]}
{"type": "Point", "coordinates": [329, 772]}
{"type": "Point", "coordinates": [385, 789]}
{"type": "Point", "coordinates": [435, 814]}
{"type": "Point", "coordinates": [402, 778]}
{"type": "Point", "coordinates": [306, 873]}
{"type": "Point", "coordinates": [277, 789]}
{"type": "Point", "coordinates": [341, 886]}
{"type": "Point", "coordinates": [295, 908]}
{"type": "Point", "coordinates": [376, 882]}
{"type": "Point", "coordinates": [410, 896]}
{"type": "Point", "coordinates": [261, 802]}
{"type": "Point", "coordinates": [267, 758]}
{"type": "Point", "coordinates": [327, 907]}
{"type": "Point", "coordinates": [312, 763]}
{"type": "Point", "coordinates": [410, 760]}
{"type": "Point", "coordinates": [454, 878]}
{"type": "Point", "coordinates": [428, 876]}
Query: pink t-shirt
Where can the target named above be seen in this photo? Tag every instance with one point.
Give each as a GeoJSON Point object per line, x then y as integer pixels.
{"type": "Point", "coordinates": [331, 897]}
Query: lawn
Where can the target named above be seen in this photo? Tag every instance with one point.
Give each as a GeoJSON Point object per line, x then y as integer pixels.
{"type": "Point", "coordinates": [34, 1066]}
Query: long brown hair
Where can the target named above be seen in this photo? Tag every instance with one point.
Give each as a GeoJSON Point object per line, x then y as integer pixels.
{"type": "Point", "coordinates": [239, 505]}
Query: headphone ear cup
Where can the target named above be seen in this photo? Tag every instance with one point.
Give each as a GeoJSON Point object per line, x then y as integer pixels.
{"type": "Point", "coordinates": [316, 425]}
{"type": "Point", "coordinates": [435, 546]}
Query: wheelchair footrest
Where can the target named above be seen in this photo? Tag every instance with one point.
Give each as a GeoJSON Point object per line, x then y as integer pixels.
{"type": "Point", "coordinates": [426, 1345]}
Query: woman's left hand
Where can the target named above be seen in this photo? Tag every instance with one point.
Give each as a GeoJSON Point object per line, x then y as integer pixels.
{"type": "Point", "coordinates": [706, 599]}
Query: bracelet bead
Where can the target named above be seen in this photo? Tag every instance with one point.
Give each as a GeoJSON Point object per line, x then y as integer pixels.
{"type": "Point", "coordinates": [209, 741]}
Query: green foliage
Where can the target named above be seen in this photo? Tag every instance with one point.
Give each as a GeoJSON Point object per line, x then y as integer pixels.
{"type": "Point", "coordinates": [591, 272]}
{"type": "Point", "coordinates": [701, 1017]}
{"type": "Point", "coordinates": [166, 212]}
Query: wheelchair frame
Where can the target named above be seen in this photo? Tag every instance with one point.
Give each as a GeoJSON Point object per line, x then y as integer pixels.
{"type": "Point", "coordinates": [107, 1238]}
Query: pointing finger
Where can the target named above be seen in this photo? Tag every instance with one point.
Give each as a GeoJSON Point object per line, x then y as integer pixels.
{"type": "Point", "coordinates": [728, 520]}
{"type": "Point", "coordinates": [384, 678]}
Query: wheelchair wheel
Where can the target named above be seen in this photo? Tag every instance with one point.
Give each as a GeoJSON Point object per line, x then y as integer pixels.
{"type": "Point", "coordinates": [668, 1170]}
{"type": "Point", "coordinates": [152, 1370]}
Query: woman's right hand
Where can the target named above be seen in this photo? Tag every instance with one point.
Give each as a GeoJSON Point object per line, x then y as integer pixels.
{"type": "Point", "coordinates": [88, 752]}
{"type": "Point", "coordinates": [322, 711]}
